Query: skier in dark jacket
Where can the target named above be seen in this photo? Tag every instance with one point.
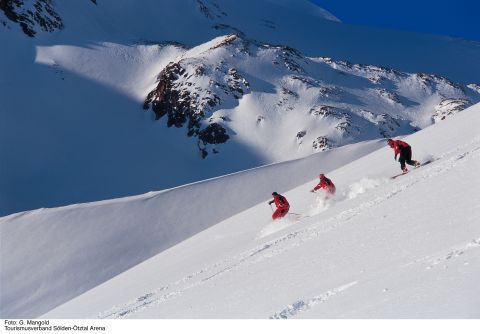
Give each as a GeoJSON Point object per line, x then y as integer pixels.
{"type": "Point", "coordinates": [405, 151]}
{"type": "Point", "coordinates": [282, 205]}
{"type": "Point", "coordinates": [325, 183]}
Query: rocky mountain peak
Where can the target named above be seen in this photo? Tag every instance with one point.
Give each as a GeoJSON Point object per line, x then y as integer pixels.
{"type": "Point", "coordinates": [333, 102]}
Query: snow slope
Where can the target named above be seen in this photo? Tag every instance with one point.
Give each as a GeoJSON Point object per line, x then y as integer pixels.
{"type": "Point", "coordinates": [299, 24]}
{"type": "Point", "coordinates": [109, 237]}
{"type": "Point", "coordinates": [72, 128]}
{"type": "Point", "coordinates": [404, 248]}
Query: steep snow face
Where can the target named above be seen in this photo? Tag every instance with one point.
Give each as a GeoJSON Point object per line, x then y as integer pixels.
{"type": "Point", "coordinates": [381, 248]}
{"type": "Point", "coordinates": [114, 17]}
{"type": "Point", "coordinates": [299, 24]}
{"type": "Point", "coordinates": [130, 230]}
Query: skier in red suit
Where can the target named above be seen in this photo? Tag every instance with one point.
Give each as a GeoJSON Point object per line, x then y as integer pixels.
{"type": "Point", "coordinates": [325, 183]}
{"type": "Point", "coordinates": [405, 151]}
{"type": "Point", "coordinates": [282, 206]}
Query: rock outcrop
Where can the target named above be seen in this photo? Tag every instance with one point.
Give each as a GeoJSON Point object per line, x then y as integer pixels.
{"type": "Point", "coordinates": [32, 16]}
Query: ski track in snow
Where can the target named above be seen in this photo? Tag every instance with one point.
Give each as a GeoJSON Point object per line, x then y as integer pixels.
{"type": "Point", "coordinates": [279, 245]}
{"type": "Point", "coordinates": [432, 261]}
{"type": "Point", "coordinates": [304, 305]}
{"type": "Point", "coordinates": [454, 253]}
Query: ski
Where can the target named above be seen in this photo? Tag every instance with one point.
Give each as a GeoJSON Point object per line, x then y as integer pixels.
{"type": "Point", "coordinates": [395, 176]}
{"type": "Point", "coordinates": [421, 164]}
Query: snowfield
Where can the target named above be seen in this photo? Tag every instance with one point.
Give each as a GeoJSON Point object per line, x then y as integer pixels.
{"type": "Point", "coordinates": [198, 110]}
{"type": "Point", "coordinates": [382, 248]}
{"type": "Point", "coordinates": [140, 226]}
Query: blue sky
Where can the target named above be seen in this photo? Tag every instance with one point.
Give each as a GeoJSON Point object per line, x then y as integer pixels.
{"type": "Point", "coordinates": [458, 18]}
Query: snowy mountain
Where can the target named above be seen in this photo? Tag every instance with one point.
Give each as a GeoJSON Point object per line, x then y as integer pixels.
{"type": "Point", "coordinates": [201, 109]}
{"type": "Point", "coordinates": [296, 23]}
{"type": "Point", "coordinates": [382, 248]}
{"type": "Point", "coordinates": [294, 105]}
{"type": "Point", "coordinates": [240, 84]}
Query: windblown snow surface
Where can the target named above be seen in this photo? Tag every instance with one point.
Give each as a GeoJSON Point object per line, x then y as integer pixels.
{"type": "Point", "coordinates": [382, 248]}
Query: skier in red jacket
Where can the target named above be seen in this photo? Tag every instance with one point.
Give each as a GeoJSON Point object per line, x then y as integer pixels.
{"type": "Point", "coordinates": [405, 151]}
{"type": "Point", "coordinates": [282, 205]}
{"type": "Point", "coordinates": [325, 183]}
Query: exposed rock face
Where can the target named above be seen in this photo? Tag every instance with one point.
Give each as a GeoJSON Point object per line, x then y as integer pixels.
{"type": "Point", "coordinates": [436, 79]}
{"type": "Point", "coordinates": [346, 126]}
{"type": "Point", "coordinates": [322, 111]}
{"type": "Point", "coordinates": [32, 16]}
{"type": "Point", "coordinates": [376, 74]}
{"type": "Point", "coordinates": [236, 83]}
{"type": "Point", "coordinates": [174, 98]}
{"type": "Point", "coordinates": [169, 98]}
{"type": "Point", "coordinates": [392, 98]}
{"type": "Point", "coordinates": [322, 143]}
{"type": "Point", "coordinates": [300, 135]}
{"type": "Point", "coordinates": [287, 56]}
{"type": "Point", "coordinates": [213, 134]}
{"type": "Point", "coordinates": [449, 107]}
{"type": "Point", "coordinates": [188, 92]}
